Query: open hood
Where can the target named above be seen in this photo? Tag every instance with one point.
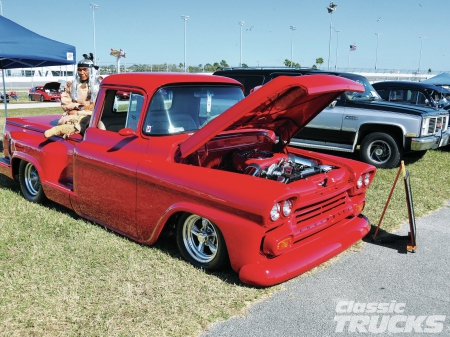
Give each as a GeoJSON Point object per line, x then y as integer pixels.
{"type": "Point", "coordinates": [284, 105]}
{"type": "Point", "coordinates": [52, 86]}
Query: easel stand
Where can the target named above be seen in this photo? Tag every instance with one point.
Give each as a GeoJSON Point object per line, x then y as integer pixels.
{"type": "Point", "coordinates": [411, 244]}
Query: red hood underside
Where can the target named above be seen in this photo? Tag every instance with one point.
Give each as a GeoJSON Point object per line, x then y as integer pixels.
{"type": "Point", "coordinates": [284, 105]}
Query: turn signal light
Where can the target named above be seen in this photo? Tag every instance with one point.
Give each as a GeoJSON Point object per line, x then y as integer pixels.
{"type": "Point", "coordinates": [359, 207]}
{"type": "Point", "coordinates": [285, 243]}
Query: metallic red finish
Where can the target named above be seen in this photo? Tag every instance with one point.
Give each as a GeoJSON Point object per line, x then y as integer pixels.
{"type": "Point", "coordinates": [136, 183]}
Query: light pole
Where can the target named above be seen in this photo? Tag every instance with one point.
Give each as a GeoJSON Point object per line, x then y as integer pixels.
{"type": "Point", "coordinates": [420, 58]}
{"type": "Point", "coordinates": [337, 46]}
{"type": "Point", "coordinates": [292, 43]}
{"type": "Point", "coordinates": [330, 9]}
{"type": "Point", "coordinates": [241, 23]}
{"type": "Point", "coordinates": [1, 8]}
{"type": "Point", "coordinates": [376, 51]}
{"type": "Point", "coordinates": [185, 18]}
{"type": "Point", "coordinates": [94, 7]}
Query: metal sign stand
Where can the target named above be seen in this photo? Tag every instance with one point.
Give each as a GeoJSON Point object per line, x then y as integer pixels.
{"type": "Point", "coordinates": [411, 244]}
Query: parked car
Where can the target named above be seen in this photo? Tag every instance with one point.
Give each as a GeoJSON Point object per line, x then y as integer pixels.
{"type": "Point", "coordinates": [415, 93]}
{"type": "Point", "coordinates": [190, 152]}
{"type": "Point", "coordinates": [123, 95]}
{"type": "Point", "coordinates": [48, 92]}
{"type": "Point", "coordinates": [382, 131]}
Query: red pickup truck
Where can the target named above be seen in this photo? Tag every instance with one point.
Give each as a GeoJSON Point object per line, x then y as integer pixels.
{"type": "Point", "coordinates": [190, 151]}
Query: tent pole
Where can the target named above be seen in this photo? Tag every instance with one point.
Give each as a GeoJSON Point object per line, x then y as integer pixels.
{"type": "Point", "coordinates": [4, 94]}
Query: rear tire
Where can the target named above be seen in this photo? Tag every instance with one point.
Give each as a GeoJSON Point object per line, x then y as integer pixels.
{"type": "Point", "coordinates": [201, 243]}
{"type": "Point", "coordinates": [30, 183]}
{"type": "Point", "coordinates": [42, 98]}
{"type": "Point", "coordinates": [380, 150]}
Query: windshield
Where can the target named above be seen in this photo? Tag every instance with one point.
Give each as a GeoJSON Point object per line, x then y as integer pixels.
{"type": "Point", "coordinates": [187, 108]}
{"type": "Point", "coordinates": [442, 99]}
{"type": "Point", "coordinates": [369, 92]}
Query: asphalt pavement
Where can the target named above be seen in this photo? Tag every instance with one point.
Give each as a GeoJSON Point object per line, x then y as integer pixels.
{"type": "Point", "coordinates": [379, 290]}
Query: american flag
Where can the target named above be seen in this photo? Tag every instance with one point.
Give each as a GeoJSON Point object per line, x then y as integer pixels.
{"type": "Point", "coordinates": [352, 47]}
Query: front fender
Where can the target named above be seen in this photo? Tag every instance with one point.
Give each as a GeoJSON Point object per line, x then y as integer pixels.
{"type": "Point", "coordinates": [242, 236]}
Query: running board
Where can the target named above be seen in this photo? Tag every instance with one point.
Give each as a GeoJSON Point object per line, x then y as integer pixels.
{"type": "Point", "coordinates": [322, 146]}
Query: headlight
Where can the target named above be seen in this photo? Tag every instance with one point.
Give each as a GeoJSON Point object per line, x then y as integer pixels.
{"type": "Point", "coordinates": [359, 182]}
{"type": "Point", "coordinates": [367, 179]}
{"type": "Point", "coordinates": [275, 212]}
{"type": "Point", "coordinates": [287, 207]}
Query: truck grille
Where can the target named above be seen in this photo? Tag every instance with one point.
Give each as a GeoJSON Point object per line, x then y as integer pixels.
{"type": "Point", "coordinates": [433, 124]}
{"type": "Point", "coordinates": [324, 213]}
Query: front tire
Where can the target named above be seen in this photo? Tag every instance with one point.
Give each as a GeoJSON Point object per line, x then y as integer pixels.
{"type": "Point", "coordinates": [42, 98]}
{"type": "Point", "coordinates": [380, 150]}
{"type": "Point", "coordinates": [201, 243]}
{"type": "Point", "coordinates": [30, 183]}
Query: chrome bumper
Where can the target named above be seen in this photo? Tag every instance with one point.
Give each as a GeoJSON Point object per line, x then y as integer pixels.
{"type": "Point", "coordinates": [433, 142]}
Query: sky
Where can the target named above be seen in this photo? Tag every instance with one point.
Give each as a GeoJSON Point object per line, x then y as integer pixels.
{"type": "Point", "coordinates": [411, 34]}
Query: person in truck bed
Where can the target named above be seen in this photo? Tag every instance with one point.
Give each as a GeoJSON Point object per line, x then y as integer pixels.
{"type": "Point", "coordinates": [78, 100]}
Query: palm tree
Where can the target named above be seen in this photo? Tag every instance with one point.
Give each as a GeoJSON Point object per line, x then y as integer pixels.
{"type": "Point", "coordinates": [319, 61]}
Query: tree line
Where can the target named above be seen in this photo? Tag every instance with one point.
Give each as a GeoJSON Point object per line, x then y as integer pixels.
{"type": "Point", "coordinates": [166, 67]}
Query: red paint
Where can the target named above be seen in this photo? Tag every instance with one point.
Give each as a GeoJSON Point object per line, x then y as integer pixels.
{"type": "Point", "coordinates": [135, 183]}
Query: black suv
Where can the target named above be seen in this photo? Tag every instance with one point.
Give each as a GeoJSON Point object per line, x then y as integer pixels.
{"type": "Point", "coordinates": [416, 93]}
{"type": "Point", "coordinates": [381, 130]}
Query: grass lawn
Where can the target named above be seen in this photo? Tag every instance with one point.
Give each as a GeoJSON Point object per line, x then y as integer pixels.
{"type": "Point", "coordinates": [61, 275]}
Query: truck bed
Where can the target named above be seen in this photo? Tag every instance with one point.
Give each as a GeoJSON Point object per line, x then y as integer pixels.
{"type": "Point", "coordinates": [36, 123]}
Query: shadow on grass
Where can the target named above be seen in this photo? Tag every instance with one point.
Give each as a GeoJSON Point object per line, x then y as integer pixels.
{"type": "Point", "coordinates": [167, 243]}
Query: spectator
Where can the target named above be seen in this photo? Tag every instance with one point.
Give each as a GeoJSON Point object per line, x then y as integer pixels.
{"type": "Point", "coordinates": [78, 100]}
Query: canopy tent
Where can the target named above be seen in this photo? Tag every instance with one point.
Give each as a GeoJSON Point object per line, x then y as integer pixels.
{"type": "Point", "coordinates": [22, 48]}
{"type": "Point", "coordinates": [441, 79]}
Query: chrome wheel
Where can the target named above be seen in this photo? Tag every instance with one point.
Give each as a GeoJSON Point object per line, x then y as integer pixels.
{"type": "Point", "coordinates": [30, 183]}
{"type": "Point", "coordinates": [200, 238]}
{"type": "Point", "coordinates": [381, 150]}
{"type": "Point", "coordinates": [201, 242]}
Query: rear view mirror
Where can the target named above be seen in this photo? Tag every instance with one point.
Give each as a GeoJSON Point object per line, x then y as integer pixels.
{"type": "Point", "coordinates": [126, 132]}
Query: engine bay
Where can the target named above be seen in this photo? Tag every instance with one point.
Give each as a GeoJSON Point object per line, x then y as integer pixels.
{"type": "Point", "coordinates": [256, 153]}
{"type": "Point", "coordinates": [281, 167]}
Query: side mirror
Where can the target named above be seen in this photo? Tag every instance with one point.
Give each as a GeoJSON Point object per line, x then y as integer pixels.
{"type": "Point", "coordinates": [125, 132]}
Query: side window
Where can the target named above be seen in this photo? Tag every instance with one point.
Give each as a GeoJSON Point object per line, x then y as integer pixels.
{"type": "Point", "coordinates": [249, 82]}
{"type": "Point", "coordinates": [383, 94]}
{"type": "Point", "coordinates": [134, 111]}
{"type": "Point", "coordinates": [121, 109]}
{"type": "Point", "coordinates": [421, 99]}
{"type": "Point", "coordinates": [396, 95]}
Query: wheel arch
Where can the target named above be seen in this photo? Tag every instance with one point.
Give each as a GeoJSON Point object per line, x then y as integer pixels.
{"type": "Point", "coordinates": [18, 158]}
{"type": "Point", "coordinates": [395, 131]}
{"type": "Point", "coordinates": [242, 235]}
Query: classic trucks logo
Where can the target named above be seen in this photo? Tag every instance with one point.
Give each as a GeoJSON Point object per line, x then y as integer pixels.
{"type": "Point", "coordinates": [379, 318]}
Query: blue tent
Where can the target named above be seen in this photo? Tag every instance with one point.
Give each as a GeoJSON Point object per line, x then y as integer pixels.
{"type": "Point", "coordinates": [441, 79]}
{"type": "Point", "coordinates": [22, 48]}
